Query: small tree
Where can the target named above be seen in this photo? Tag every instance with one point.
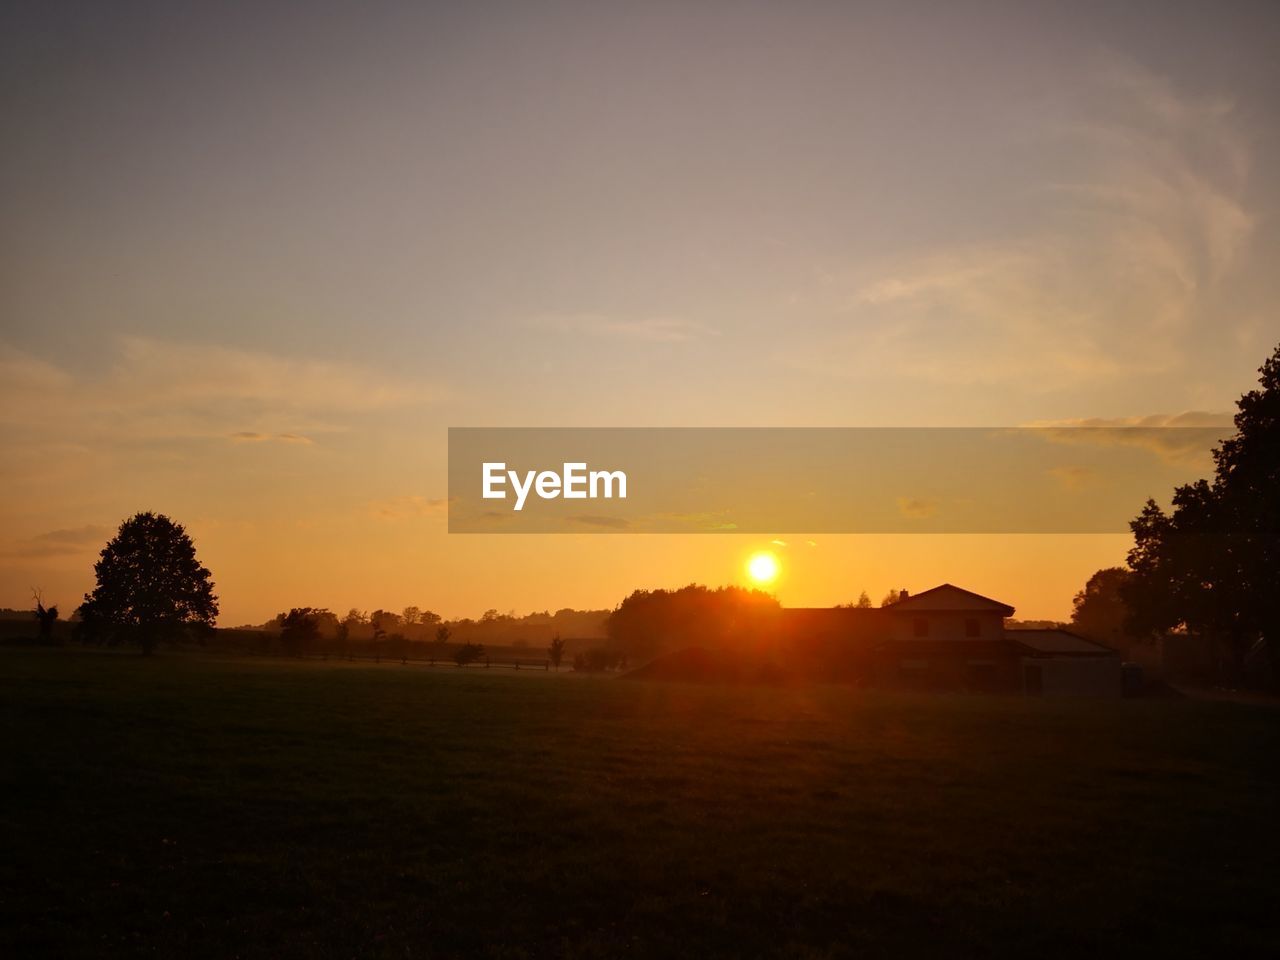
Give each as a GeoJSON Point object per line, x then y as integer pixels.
{"type": "Point", "coordinates": [46, 617]}
{"type": "Point", "coordinates": [397, 647]}
{"type": "Point", "coordinates": [150, 586]}
{"type": "Point", "coordinates": [597, 660]}
{"type": "Point", "coordinates": [864, 601]}
{"type": "Point", "coordinates": [556, 651]}
{"type": "Point", "coordinates": [468, 653]}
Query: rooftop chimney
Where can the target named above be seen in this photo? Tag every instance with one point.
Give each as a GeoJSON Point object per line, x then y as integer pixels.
{"type": "Point", "coordinates": [903, 595]}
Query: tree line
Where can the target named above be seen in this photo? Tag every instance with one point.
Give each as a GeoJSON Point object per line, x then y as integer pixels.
{"type": "Point", "coordinates": [1208, 569]}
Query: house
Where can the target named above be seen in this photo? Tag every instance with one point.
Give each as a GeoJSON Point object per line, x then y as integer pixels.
{"type": "Point", "coordinates": [948, 638]}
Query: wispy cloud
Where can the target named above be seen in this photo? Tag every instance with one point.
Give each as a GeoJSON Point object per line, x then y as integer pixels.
{"type": "Point", "coordinates": [608, 523]}
{"type": "Point", "coordinates": [1144, 215]}
{"type": "Point", "coordinates": [1174, 437]}
{"type": "Point", "coordinates": [644, 329]}
{"type": "Point", "coordinates": [164, 390]}
{"type": "Point", "coordinates": [1074, 477]}
{"type": "Point", "coordinates": [409, 507]}
{"type": "Point", "coordinates": [917, 508]}
{"type": "Point", "coordinates": [249, 436]}
{"type": "Point", "coordinates": [73, 541]}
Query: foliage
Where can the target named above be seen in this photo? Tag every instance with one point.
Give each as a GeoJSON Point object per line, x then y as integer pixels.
{"type": "Point", "coordinates": [468, 653]}
{"type": "Point", "coordinates": [863, 603]}
{"type": "Point", "coordinates": [598, 660]}
{"type": "Point", "coordinates": [1212, 565]}
{"type": "Point", "coordinates": [649, 622]}
{"type": "Point", "coordinates": [300, 629]}
{"type": "Point", "coordinates": [1099, 610]}
{"type": "Point", "coordinates": [150, 586]}
{"type": "Point", "coordinates": [45, 618]}
{"type": "Point", "coordinates": [556, 650]}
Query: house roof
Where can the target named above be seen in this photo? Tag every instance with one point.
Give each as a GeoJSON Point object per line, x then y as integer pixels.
{"type": "Point", "coordinates": [1059, 642]}
{"type": "Point", "coordinates": [949, 598]}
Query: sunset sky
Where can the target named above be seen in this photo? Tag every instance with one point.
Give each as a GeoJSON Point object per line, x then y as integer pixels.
{"type": "Point", "coordinates": [257, 258]}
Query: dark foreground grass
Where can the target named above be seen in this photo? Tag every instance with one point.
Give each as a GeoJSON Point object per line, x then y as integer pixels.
{"type": "Point", "coordinates": [183, 806]}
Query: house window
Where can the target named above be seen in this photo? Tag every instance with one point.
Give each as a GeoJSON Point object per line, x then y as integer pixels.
{"type": "Point", "coordinates": [972, 628]}
{"type": "Point", "coordinates": [920, 627]}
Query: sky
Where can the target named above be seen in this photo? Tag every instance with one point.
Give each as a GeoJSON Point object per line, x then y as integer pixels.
{"type": "Point", "coordinates": [256, 259]}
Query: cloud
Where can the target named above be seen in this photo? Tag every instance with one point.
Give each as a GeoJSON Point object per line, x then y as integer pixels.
{"type": "Point", "coordinates": [149, 390]}
{"type": "Point", "coordinates": [249, 436]}
{"type": "Point", "coordinates": [1143, 216]}
{"type": "Point", "coordinates": [917, 508]}
{"type": "Point", "coordinates": [646, 329]}
{"type": "Point", "coordinates": [66, 542]}
{"type": "Point", "coordinates": [1191, 419]}
{"type": "Point", "coordinates": [612, 523]}
{"type": "Point", "coordinates": [699, 522]}
{"type": "Point", "coordinates": [1184, 438]}
{"type": "Point", "coordinates": [1074, 477]}
{"type": "Point", "coordinates": [409, 507]}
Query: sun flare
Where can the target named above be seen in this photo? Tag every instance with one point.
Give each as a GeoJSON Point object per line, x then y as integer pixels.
{"type": "Point", "coordinates": [763, 567]}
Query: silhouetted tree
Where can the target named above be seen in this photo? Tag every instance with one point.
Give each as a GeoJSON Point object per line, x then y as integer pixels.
{"type": "Point", "coordinates": [1099, 610]}
{"type": "Point", "coordinates": [598, 660]}
{"type": "Point", "coordinates": [376, 620]}
{"type": "Point", "coordinates": [341, 637]}
{"type": "Point", "coordinates": [890, 598]}
{"type": "Point", "coordinates": [649, 622]}
{"type": "Point", "coordinates": [864, 601]}
{"type": "Point", "coordinates": [1212, 565]}
{"type": "Point", "coordinates": [300, 629]}
{"type": "Point", "coordinates": [468, 653]}
{"type": "Point", "coordinates": [556, 651]}
{"type": "Point", "coordinates": [348, 628]}
{"type": "Point", "coordinates": [386, 620]}
{"type": "Point", "coordinates": [150, 586]}
{"type": "Point", "coordinates": [46, 617]}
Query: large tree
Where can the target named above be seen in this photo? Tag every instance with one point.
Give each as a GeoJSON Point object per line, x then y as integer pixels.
{"type": "Point", "coordinates": [150, 586]}
{"type": "Point", "coordinates": [1212, 565]}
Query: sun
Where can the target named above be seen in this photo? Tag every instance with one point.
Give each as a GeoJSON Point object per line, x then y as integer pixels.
{"type": "Point", "coordinates": [763, 567]}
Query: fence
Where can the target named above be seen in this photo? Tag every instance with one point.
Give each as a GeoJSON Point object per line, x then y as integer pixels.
{"type": "Point", "coordinates": [482, 662]}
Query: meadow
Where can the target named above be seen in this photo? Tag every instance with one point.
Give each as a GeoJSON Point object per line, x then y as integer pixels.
{"type": "Point", "coordinates": [187, 805]}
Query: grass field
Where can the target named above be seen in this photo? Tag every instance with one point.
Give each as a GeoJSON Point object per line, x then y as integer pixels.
{"type": "Point", "coordinates": [190, 806]}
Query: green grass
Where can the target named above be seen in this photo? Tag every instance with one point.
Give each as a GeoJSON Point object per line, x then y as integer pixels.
{"type": "Point", "coordinates": [191, 806]}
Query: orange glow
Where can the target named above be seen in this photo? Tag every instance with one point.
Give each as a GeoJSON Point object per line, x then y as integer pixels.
{"type": "Point", "coordinates": [763, 567]}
